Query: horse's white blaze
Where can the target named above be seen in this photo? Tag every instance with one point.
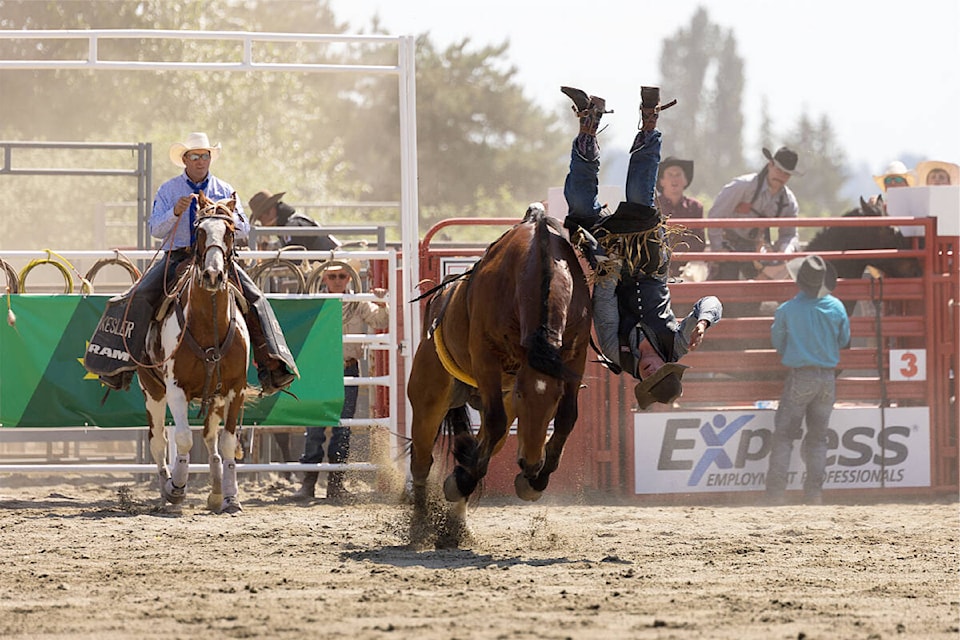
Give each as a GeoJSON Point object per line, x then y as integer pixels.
{"type": "Point", "coordinates": [540, 386]}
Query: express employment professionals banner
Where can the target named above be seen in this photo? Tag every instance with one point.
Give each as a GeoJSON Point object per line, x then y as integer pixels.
{"type": "Point", "coordinates": [709, 451]}
{"type": "Point", "coordinates": [43, 382]}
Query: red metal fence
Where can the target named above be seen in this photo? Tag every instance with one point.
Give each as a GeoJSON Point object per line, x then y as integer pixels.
{"type": "Point", "coordinates": [738, 367]}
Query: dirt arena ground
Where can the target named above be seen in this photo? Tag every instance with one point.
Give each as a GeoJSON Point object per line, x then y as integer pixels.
{"type": "Point", "coordinates": [86, 558]}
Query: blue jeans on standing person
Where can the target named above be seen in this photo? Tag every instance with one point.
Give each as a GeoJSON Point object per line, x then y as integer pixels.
{"type": "Point", "coordinates": [339, 448]}
{"type": "Point", "coordinates": [808, 392]}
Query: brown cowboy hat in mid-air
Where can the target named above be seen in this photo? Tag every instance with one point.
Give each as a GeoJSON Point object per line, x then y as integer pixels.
{"type": "Point", "coordinates": [663, 386]}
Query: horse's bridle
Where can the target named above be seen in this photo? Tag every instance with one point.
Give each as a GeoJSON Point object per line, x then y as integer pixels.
{"type": "Point", "coordinates": [199, 257]}
{"type": "Point", "coordinates": [212, 355]}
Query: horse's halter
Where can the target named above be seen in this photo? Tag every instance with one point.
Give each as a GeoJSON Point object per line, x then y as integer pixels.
{"type": "Point", "coordinates": [200, 257]}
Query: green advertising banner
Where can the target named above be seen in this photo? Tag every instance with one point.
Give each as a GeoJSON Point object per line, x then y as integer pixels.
{"type": "Point", "coordinates": [43, 382]}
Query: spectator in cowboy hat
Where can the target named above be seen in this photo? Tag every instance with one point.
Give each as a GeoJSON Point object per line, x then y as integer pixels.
{"type": "Point", "coordinates": [764, 194]}
{"type": "Point", "coordinates": [338, 277]}
{"type": "Point", "coordinates": [808, 332]}
{"type": "Point", "coordinates": [934, 173]}
{"type": "Point", "coordinates": [895, 175]}
{"type": "Point", "coordinates": [268, 210]}
{"type": "Point", "coordinates": [673, 177]}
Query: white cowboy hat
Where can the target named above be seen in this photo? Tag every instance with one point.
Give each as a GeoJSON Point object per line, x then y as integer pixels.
{"type": "Point", "coordinates": [196, 140]}
{"type": "Point", "coordinates": [925, 168]}
{"type": "Point", "coordinates": [895, 168]}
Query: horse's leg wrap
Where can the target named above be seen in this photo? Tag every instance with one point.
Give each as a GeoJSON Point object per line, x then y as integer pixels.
{"type": "Point", "coordinates": [181, 470]}
{"type": "Point", "coordinates": [231, 503]}
{"type": "Point", "coordinates": [215, 498]}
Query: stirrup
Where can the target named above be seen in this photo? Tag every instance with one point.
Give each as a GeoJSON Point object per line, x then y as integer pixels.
{"type": "Point", "coordinates": [117, 381]}
{"type": "Point", "coordinates": [274, 380]}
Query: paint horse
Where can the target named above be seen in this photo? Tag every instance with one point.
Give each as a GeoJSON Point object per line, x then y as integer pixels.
{"type": "Point", "coordinates": [511, 337]}
{"type": "Point", "coordinates": [199, 350]}
{"type": "Point", "coordinates": [865, 238]}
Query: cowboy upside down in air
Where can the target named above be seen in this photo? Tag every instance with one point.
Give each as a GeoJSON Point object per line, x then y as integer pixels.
{"type": "Point", "coordinates": [629, 251]}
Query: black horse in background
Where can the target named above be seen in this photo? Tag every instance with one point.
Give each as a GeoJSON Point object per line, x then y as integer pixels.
{"type": "Point", "coordinates": [863, 239]}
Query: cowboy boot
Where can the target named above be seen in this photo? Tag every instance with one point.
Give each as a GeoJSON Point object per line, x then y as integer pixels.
{"type": "Point", "coordinates": [308, 489]}
{"type": "Point", "coordinates": [336, 492]}
{"type": "Point", "coordinates": [272, 373]}
{"type": "Point", "coordinates": [589, 109]}
{"type": "Point", "coordinates": [650, 109]}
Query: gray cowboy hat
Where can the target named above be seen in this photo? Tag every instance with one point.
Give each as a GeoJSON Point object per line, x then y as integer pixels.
{"type": "Point", "coordinates": [785, 159]}
{"type": "Point", "coordinates": [813, 275]}
{"type": "Point", "coordinates": [664, 386]}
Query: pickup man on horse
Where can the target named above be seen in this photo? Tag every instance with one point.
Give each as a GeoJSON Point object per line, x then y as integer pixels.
{"type": "Point", "coordinates": [118, 344]}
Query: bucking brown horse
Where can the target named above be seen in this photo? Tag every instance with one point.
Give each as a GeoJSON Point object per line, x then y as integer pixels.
{"type": "Point", "coordinates": [511, 338]}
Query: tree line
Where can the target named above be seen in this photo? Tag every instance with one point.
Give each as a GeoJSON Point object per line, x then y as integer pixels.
{"type": "Point", "coordinates": [483, 148]}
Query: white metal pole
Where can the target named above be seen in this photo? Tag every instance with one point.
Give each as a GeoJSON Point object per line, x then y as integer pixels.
{"type": "Point", "coordinates": [409, 205]}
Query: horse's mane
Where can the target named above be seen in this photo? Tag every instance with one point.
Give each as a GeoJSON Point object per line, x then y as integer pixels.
{"type": "Point", "coordinates": [542, 355]}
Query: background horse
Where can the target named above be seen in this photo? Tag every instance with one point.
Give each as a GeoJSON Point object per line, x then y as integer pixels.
{"type": "Point", "coordinates": [865, 238]}
{"type": "Point", "coordinates": [200, 348]}
{"type": "Point", "coordinates": [514, 334]}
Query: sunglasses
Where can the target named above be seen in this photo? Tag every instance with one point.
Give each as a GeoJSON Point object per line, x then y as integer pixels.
{"type": "Point", "coordinates": [193, 157]}
{"type": "Point", "coordinates": [891, 181]}
{"type": "Point", "coordinates": [337, 276]}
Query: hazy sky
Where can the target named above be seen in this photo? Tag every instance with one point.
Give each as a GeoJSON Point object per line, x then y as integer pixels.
{"type": "Point", "coordinates": [885, 72]}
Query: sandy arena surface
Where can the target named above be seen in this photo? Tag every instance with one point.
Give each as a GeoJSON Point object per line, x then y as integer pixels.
{"type": "Point", "coordinates": [95, 558]}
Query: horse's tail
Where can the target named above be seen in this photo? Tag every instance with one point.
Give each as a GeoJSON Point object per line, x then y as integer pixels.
{"type": "Point", "coordinates": [456, 421]}
{"type": "Point", "coordinates": [541, 354]}
{"type": "Point", "coordinates": [460, 441]}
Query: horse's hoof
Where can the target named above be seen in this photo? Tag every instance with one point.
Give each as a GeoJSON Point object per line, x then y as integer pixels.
{"type": "Point", "coordinates": [172, 493]}
{"type": "Point", "coordinates": [450, 490]}
{"type": "Point", "coordinates": [231, 505]}
{"type": "Point", "coordinates": [215, 502]}
{"type": "Point", "coordinates": [524, 491]}
{"type": "Point", "coordinates": [453, 534]}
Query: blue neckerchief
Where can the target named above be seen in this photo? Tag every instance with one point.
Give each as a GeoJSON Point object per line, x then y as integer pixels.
{"type": "Point", "coordinates": [197, 188]}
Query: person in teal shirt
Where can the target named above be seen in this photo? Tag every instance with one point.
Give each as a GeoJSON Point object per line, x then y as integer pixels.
{"type": "Point", "coordinates": [808, 332]}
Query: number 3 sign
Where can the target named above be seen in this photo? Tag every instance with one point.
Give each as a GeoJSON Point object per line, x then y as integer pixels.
{"type": "Point", "coordinates": [908, 364]}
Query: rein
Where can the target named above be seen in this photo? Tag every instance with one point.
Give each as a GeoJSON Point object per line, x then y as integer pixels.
{"type": "Point", "coordinates": [212, 355]}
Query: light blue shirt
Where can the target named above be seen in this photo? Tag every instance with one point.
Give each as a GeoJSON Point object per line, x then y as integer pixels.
{"type": "Point", "coordinates": [162, 220]}
{"type": "Point", "coordinates": [809, 332]}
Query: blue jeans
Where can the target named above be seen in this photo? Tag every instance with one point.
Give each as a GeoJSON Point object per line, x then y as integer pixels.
{"type": "Point", "coordinates": [339, 448]}
{"type": "Point", "coordinates": [582, 183]}
{"type": "Point", "coordinates": [808, 392]}
{"type": "Point", "coordinates": [580, 189]}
